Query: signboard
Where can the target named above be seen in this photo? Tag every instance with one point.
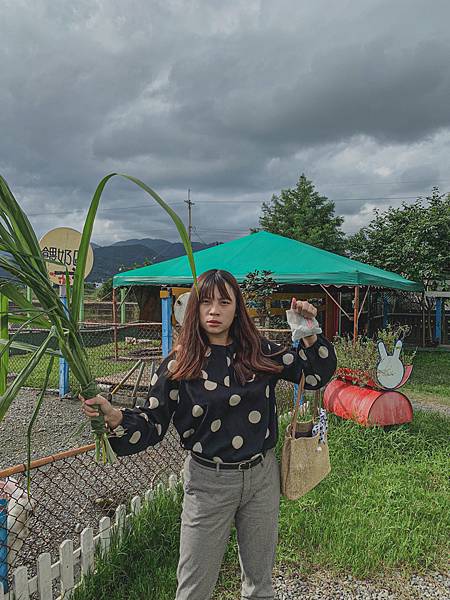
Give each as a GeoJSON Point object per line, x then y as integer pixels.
{"type": "Point", "coordinates": [62, 245]}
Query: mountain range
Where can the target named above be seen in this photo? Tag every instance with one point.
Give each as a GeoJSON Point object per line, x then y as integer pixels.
{"type": "Point", "coordinates": [129, 254]}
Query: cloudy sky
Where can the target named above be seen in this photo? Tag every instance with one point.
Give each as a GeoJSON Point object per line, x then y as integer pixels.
{"type": "Point", "coordinates": [233, 99]}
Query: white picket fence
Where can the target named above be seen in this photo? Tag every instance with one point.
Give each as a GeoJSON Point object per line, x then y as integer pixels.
{"type": "Point", "coordinates": [64, 569]}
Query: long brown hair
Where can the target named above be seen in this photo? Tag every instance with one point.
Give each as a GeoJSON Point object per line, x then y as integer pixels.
{"type": "Point", "coordinates": [193, 340]}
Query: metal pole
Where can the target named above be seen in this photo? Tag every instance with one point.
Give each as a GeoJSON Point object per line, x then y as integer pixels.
{"type": "Point", "coordinates": [63, 366]}
{"type": "Point", "coordinates": [123, 316]}
{"type": "Point", "coordinates": [166, 309]}
{"type": "Point", "coordinates": [423, 320]}
{"type": "Point", "coordinates": [340, 314]}
{"type": "Point", "coordinates": [355, 315]}
{"type": "Point", "coordinates": [385, 310]}
{"type": "Point", "coordinates": [4, 335]}
{"type": "Point", "coordinates": [114, 311]}
{"type": "Point", "coordinates": [438, 321]}
{"type": "Point", "coordinates": [190, 204]}
{"type": "Point", "coordinates": [4, 544]}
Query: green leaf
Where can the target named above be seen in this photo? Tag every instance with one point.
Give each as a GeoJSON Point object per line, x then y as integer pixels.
{"type": "Point", "coordinates": [14, 388]}
{"type": "Point", "coordinates": [77, 291]}
{"type": "Point", "coordinates": [20, 227]}
{"type": "Point", "coordinates": [87, 232]}
{"type": "Point", "coordinates": [26, 347]}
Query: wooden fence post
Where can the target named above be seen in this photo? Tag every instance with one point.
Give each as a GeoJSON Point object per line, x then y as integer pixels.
{"type": "Point", "coordinates": [44, 573]}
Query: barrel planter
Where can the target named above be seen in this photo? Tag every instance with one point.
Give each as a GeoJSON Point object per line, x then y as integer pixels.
{"type": "Point", "coordinates": [365, 405]}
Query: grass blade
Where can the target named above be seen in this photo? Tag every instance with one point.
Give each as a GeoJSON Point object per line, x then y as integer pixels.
{"type": "Point", "coordinates": [14, 388]}
{"type": "Point", "coordinates": [33, 419]}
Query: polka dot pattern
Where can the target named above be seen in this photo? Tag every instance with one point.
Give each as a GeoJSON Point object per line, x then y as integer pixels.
{"type": "Point", "coordinates": [197, 410]}
{"type": "Point", "coordinates": [234, 400]}
{"type": "Point", "coordinates": [288, 359]}
{"type": "Point", "coordinates": [323, 352]}
{"type": "Point", "coordinates": [215, 425]}
{"type": "Point", "coordinates": [237, 442]}
{"type": "Point", "coordinates": [210, 385]}
{"type": "Point", "coordinates": [232, 419]}
{"type": "Point", "coordinates": [135, 437]}
{"type": "Point", "coordinates": [119, 431]}
{"type": "Point", "coordinates": [254, 416]}
{"type": "Point", "coordinates": [153, 402]}
{"type": "Point", "coordinates": [311, 380]}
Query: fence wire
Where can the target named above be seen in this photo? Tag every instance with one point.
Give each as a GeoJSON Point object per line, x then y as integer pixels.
{"type": "Point", "coordinates": [111, 351]}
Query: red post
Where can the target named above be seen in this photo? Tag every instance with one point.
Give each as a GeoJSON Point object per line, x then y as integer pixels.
{"type": "Point", "coordinates": [114, 311]}
{"type": "Point", "coordinates": [355, 315]}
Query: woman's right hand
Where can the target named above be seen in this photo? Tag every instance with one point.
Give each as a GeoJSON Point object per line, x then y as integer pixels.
{"type": "Point", "coordinates": [113, 416]}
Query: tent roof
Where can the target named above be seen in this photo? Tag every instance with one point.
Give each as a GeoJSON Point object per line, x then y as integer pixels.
{"type": "Point", "coordinates": [289, 260]}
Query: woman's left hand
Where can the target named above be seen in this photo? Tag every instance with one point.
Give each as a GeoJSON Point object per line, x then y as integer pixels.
{"type": "Point", "coordinates": [304, 308]}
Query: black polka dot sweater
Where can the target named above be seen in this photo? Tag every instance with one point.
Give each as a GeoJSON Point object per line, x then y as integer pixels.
{"type": "Point", "coordinates": [216, 416]}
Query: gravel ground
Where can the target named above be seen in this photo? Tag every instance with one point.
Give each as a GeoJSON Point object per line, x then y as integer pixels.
{"type": "Point", "coordinates": [320, 586]}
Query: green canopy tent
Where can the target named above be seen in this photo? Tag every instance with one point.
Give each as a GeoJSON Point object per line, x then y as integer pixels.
{"type": "Point", "coordinates": [290, 261]}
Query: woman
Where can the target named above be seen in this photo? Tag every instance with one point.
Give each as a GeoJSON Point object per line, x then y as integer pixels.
{"type": "Point", "coordinates": [219, 388]}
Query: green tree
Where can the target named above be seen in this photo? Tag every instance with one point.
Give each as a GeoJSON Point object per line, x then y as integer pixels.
{"type": "Point", "coordinates": [302, 214]}
{"type": "Point", "coordinates": [257, 289]}
{"type": "Point", "coordinates": [412, 240]}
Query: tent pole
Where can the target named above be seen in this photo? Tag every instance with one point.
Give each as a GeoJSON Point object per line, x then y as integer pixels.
{"type": "Point", "coordinates": [355, 315]}
{"type": "Point", "coordinates": [340, 314]}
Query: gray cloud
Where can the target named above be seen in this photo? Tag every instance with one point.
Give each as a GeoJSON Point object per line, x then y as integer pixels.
{"type": "Point", "coordinates": [232, 99]}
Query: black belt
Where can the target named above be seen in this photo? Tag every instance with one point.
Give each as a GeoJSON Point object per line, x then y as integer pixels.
{"type": "Point", "coordinates": [239, 466]}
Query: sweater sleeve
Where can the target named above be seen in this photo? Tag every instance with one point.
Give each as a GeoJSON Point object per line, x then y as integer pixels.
{"type": "Point", "coordinates": [318, 363]}
{"type": "Point", "coordinates": [146, 426]}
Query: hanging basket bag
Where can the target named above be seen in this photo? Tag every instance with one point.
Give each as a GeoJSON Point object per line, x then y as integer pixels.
{"type": "Point", "coordinates": [305, 459]}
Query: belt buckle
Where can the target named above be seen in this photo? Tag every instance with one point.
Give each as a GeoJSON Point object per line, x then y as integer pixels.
{"type": "Point", "coordinates": [244, 466]}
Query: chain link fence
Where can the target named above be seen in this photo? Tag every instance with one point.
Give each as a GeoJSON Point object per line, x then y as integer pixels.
{"type": "Point", "coordinates": [111, 350]}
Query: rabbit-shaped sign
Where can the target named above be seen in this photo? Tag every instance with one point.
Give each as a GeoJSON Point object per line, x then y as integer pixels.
{"type": "Point", "coordinates": [390, 369]}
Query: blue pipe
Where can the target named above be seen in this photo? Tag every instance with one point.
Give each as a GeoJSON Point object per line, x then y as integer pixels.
{"type": "Point", "coordinates": [64, 387]}
{"type": "Point", "coordinates": [4, 543]}
{"type": "Point", "coordinates": [166, 309]}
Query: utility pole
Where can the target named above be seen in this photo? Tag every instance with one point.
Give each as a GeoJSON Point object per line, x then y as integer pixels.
{"type": "Point", "coordinates": [189, 203]}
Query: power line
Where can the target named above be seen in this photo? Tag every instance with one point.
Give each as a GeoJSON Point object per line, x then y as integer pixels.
{"type": "Point", "coordinates": [219, 201]}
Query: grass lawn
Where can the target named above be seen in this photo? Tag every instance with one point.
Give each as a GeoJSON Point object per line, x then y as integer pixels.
{"type": "Point", "coordinates": [383, 507]}
{"type": "Point", "coordinates": [430, 379]}
{"type": "Point", "coordinates": [100, 365]}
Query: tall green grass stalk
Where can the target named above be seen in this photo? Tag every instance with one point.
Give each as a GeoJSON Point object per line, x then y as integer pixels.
{"type": "Point", "coordinates": [21, 256]}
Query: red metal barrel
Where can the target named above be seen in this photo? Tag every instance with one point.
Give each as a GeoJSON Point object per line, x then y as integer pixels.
{"type": "Point", "coordinates": [365, 405]}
